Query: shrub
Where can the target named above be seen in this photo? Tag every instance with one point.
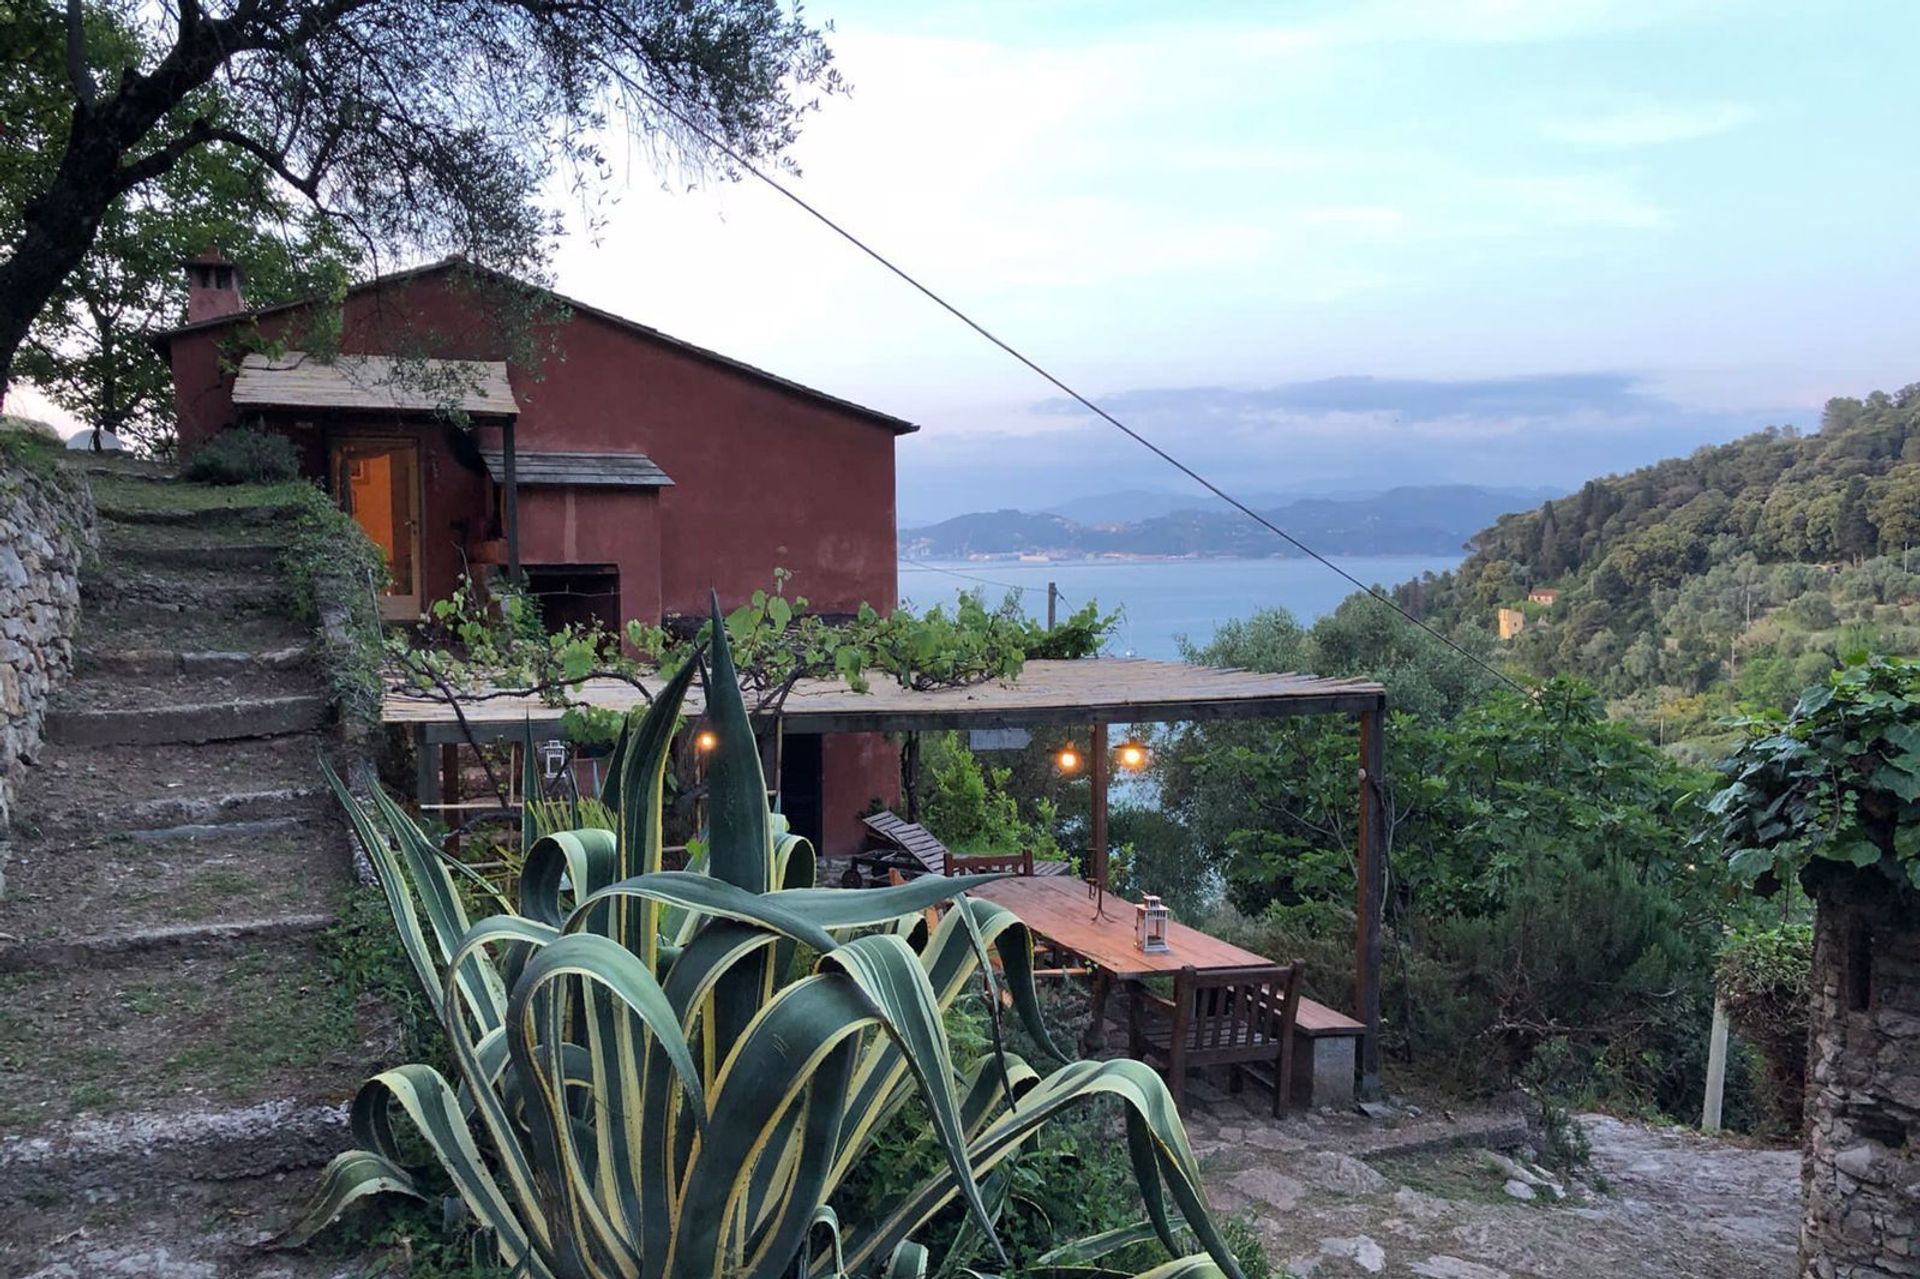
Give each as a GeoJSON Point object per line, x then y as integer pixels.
{"type": "Point", "coordinates": [1764, 977]}
{"type": "Point", "coordinates": [242, 456]}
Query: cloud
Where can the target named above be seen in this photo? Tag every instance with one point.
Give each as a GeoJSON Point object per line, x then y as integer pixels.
{"type": "Point", "coordinates": [1504, 21]}
{"type": "Point", "coordinates": [1649, 125]}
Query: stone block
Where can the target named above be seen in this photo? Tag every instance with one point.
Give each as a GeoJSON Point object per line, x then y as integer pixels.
{"type": "Point", "coordinates": [1323, 1070]}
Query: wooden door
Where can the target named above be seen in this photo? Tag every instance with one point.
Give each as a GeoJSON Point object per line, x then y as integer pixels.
{"type": "Point", "coordinates": [378, 483]}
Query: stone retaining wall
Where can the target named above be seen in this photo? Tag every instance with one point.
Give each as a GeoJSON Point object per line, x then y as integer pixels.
{"type": "Point", "coordinates": [46, 527]}
{"type": "Point", "coordinates": [1862, 1152]}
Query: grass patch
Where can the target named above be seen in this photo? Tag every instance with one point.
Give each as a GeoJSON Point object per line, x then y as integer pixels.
{"type": "Point", "coordinates": [116, 493]}
{"type": "Point", "coordinates": [1454, 1174]}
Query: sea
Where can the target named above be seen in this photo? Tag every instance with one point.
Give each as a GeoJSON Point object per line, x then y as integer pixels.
{"type": "Point", "coordinates": [1161, 601]}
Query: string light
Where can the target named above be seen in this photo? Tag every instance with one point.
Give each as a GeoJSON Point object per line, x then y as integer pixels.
{"type": "Point", "coordinates": [1132, 755]}
{"type": "Point", "coordinates": [1068, 759]}
{"type": "Point", "coordinates": [705, 740]}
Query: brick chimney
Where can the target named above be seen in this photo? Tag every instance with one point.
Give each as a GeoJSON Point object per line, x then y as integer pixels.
{"type": "Point", "coordinates": [213, 287]}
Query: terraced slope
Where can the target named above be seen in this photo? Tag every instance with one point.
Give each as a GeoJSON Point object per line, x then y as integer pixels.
{"type": "Point", "coordinates": [174, 1048]}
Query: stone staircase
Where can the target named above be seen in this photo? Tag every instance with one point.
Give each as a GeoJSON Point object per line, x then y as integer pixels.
{"type": "Point", "coordinates": [174, 1043]}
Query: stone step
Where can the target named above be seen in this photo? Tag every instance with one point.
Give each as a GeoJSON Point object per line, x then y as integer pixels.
{"type": "Point", "coordinates": [105, 466]}
{"type": "Point", "coordinates": [128, 945]}
{"type": "Point", "coordinates": [187, 1064]}
{"type": "Point", "coordinates": [133, 788]}
{"type": "Point", "coordinates": [129, 892]}
{"type": "Point", "coordinates": [189, 722]}
{"type": "Point", "coordinates": [226, 816]}
{"type": "Point", "coordinates": [158, 661]}
{"type": "Point", "coordinates": [176, 1227]}
{"type": "Point", "coordinates": [194, 517]}
{"type": "Point", "coordinates": [234, 592]}
{"type": "Point", "coordinates": [165, 626]}
{"type": "Point", "coordinates": [199, 555]}
{"type": "Point", "coordinates": [111, 1155]}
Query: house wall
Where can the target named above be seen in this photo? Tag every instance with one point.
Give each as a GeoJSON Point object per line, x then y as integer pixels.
{"type": "Point", "coordinates": [764, 477]}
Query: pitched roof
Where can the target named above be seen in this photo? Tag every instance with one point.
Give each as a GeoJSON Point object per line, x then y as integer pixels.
{"type": "Point", "coordinates": [296, 380]}
{"type": "Point", "coordinates": [582, 470]}
{"type": "Point", "coordinates": [899, 426]}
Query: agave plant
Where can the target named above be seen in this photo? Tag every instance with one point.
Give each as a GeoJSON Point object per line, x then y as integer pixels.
{"type": "Point", "coordinates": [667, 1074]}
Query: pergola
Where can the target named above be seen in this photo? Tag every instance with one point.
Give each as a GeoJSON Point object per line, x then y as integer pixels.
{"type": "Point", "coordinates": [1091, 693]}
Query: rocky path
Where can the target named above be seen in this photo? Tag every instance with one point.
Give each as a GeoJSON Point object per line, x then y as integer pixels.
{"type": "Point", "coordinates": [1339, 1196]}
{"type": "Point", "coordinates": [173, 1046]}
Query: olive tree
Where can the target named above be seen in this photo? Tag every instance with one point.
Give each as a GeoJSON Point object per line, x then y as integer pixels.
{"type": "Point", "coordinates": [418, 126]}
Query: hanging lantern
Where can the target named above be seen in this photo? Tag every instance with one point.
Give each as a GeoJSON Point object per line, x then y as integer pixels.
{"type": "Point", "coordinates": [1151, 918]}
{"type": "Point", "coordinates": [705, 740]}
{"type": "Point", "coordinates": [1132, 755]}
{"type": "Point", "coordinates": [1068, 759]}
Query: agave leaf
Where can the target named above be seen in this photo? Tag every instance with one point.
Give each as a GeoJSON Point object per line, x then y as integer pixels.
{"type": "Point", "coordinates": [393, 884]}
{"type": "Point", "coordinates": [432, 1108]}
{"type": "Point", "coordinates": [349, 1176]}
{"type": "Point", "coordinates": [529, 787]}
{"type": "Point", "coordinates": [713, 897]}
{"type": "Point", "coordinates": [798, 1050]}
{"type": "Point", "coordinates": [580, 861]}
{"type": "Point", "coordinates": [1146, 1098]}
{"type": "Point", "coordinates": [889, 974]}
{"type": "Point", "coordinates": [1094, 1247]}
{"type": "Point", "coordinates": [592, 1231]}
{"type": "Point", "coordinates": [479, 985]}
{"type": "Point", "coordinates": [641, 784]}
{"type": "Point", "coordinates": [740, 838]}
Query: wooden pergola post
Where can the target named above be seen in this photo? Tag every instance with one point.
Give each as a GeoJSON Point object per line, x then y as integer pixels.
{"type": "Point", "coordinates": [1371, 865]}
{"type": "Point", "coordinates": [510, 499]}
{"type": "Point", "coordinates": [1097, 775]}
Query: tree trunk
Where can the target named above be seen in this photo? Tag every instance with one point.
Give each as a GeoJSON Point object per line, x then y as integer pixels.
{"type": "Point", "coordinates": [60, 228]}
{"type": "Point", "coordinates": [1861, 1163]}
{"type": "Point", "coordinates": [61, 223]}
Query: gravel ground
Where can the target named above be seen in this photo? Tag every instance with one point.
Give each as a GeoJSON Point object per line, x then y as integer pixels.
{"type": "Point", "coordinates": [1337, 1196]}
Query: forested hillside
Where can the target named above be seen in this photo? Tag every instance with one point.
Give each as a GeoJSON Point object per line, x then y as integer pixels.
{"type": "Point", "coordinates": [1734, 575]}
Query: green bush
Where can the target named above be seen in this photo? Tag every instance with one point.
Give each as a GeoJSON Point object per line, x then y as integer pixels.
{"type": "Point", "coordinates": [242, 456]}
{"type": "Point", "coordinates": [1765, 978]}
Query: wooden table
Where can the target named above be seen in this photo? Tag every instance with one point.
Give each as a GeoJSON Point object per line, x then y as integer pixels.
{"type": "Point", "coordinates": [1062, 908]}
{"type": "Point", "coordinates": [1064, 911]}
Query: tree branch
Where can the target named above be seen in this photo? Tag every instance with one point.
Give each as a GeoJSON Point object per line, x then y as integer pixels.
{"type": "Point", "coordinates": [83, 87]}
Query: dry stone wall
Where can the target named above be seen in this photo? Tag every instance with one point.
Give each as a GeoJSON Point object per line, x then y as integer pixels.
{"type": "Point", "coordinates": [1863, 1097]}
{"type": "Point", "coordinates": [46, 528]}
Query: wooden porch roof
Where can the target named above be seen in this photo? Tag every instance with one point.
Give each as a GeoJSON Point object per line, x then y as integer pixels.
{"type": "Point", "coordinates": [589, 470]}
{"type": "Point", "coordinates": [1092, 690]}
{"type": "Point", "coordinates": [297, 380]}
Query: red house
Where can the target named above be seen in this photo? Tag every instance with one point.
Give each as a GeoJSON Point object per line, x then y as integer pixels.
{"type": "Point", "coordinates": [645, 470]}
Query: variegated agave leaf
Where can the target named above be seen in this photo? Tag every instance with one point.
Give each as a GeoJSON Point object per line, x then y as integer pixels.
{"type": "Point", "coordinates": [647, 1085]}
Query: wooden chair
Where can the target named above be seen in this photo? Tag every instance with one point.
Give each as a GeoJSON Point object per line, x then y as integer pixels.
{"type": "Point", "coordinates": [1020, 863]}
{"type": "Point", "coordinates": [1235, 1017]}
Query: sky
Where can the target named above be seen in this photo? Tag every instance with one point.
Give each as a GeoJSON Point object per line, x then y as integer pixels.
{"type": "Point", "coordinates": [1314, 246]}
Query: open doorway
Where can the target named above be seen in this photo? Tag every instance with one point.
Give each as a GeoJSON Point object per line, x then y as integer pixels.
{"type": "Point", "coordinates": [377, 482]}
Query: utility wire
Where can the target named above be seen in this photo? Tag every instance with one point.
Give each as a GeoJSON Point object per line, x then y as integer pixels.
{"type": "Point", "coordinates": [721, 146]}
{"type": "Point", "coordinates": [984, 581]}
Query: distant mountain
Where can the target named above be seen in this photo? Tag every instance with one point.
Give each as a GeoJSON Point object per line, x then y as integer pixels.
{"type": "Point", "coordinates": [1146, 504]}
{"type": "Point", "coordinates": [1434, 519]}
